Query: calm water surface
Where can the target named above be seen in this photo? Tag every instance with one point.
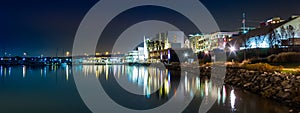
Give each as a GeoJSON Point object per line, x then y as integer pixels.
{"type": "Point", "coordinates": [52, 90]}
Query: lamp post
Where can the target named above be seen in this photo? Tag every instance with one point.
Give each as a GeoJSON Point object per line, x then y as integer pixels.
{"type": "Point", "coordinates": [232, 50]}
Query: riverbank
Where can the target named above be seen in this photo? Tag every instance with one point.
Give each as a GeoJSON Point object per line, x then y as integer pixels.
{"type": "Point", "coordinates": [281, 87]}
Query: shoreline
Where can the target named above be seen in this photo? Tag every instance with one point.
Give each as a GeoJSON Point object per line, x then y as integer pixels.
{"type": "Point", "coordinates": [280, 87]}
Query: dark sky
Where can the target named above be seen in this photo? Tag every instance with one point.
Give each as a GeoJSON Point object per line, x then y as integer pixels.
{"type": "Point", "coordinates": [43, 26]}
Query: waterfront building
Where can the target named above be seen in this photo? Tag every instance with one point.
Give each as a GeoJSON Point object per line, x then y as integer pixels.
{"type": "Point", "coordinates": [187, 43]}
{"type": "Point", "coordinates": [199, 42]}
{"type": "Point", "coordinates": [136, 56]}
{"type": "Point", "coordinates": [160, 47]}
{"type": "Point", "coordinates": [276, 34]}
{"type": "Point", "coordinates": [132, 57]}
{"type": "Point", "coordinates": [274, 20]}
{"type": "Point", "coordinates": [209, 42]}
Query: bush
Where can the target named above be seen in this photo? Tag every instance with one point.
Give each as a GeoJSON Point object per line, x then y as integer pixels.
{"type": "Point", "coordinates": [257, 60]}
{"type": "Point", "coordinates": [286, 57]}
{"type": "Point", "coordinates": [262, 67]}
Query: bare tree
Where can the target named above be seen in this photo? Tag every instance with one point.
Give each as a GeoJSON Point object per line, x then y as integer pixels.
{"type": "Point", "coordinates": [291, 33]}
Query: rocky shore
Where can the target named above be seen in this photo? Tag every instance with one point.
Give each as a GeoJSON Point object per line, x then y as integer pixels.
{"type": "Point", "coordinates": [284, 88]}
{"type": "Point", "coordinates": [281, 87]}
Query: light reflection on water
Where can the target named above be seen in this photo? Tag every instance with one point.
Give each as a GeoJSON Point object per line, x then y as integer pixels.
{"type": "Point", "coordinates": [150, 79]}
{"type": "Point", "coordinates": [232, 100]}
{"type": "Point", "coordinates": [24, 71]}
{"type": "Point", "coordinates": [135, 79]}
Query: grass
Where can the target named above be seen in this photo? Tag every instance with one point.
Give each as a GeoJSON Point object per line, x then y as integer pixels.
{"type": "Point", "coordinates": [294, 71]}
{"type": "Point", "coordinates": [288, 65]}
{"type": "Point", "coordinates": [262, 67]}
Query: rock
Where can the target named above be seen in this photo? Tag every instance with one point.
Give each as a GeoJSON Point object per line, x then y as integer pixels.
{"type": "Point", "coordinates": [276, 79]}
{"type": "Point", "coordinates": [287, 86]}
{"type": "Point", "coordinates": [278, 88]}
{"type": "Point", "coordinates": [283, 95]}
{"type": "Point", "coordinates": [254, 78]}
{"type": "Point", "coordinates": [247, 84]}
{"type": "Point", "coordinates": [296, 99]}
{"type": "Point", "coordinates": [284, 83]}
{"type": "Point", "coordinates": [298, 80]}
{"type": "Point", "coordinates": [288, 90]}
{"type": "Point", "coordinates": [267, 87]}
{"type": "Point", "coordinates": [237, 79]}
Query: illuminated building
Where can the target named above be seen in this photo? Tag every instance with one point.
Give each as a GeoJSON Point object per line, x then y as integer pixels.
{"type": "Point", "coordinates": [209, 42]}
{"type": "Point", "coordinates": [161, 46]}
{"type": "Point", "coordinates": [274, 20]}
{"type": "Point", "coordinates": [278, 34]}
{"type": "Point", "coordinates": [136, 56]}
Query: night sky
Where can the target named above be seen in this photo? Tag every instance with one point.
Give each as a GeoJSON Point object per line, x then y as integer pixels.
{"type": "Point", "coordinates": [43, 26]}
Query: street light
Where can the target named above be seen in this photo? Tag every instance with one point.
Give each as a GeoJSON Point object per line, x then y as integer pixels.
{"type": "Point", "coordinates": [185, 54]}
{"type": "Point", "coordinates": [67, 53]}
{"type": "Point", "coordinates": [232, 49]}
{"type": "Point", "coordinates": [206, 52]}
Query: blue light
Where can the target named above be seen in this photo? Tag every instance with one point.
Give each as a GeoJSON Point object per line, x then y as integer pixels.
{"type": "Point", "coordinates": [1, 58]}
{"type": "Point", "coordinates": [45, 59]}
{"type": "Point", "coordinates": [23, 59]}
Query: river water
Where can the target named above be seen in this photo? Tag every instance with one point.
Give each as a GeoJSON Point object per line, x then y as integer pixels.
{"type": "Point", "coordinates": [52, 89]}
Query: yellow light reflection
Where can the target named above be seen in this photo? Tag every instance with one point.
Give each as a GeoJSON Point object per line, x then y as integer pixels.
{"type": "Point", "coordinates": [4, 71]}
{"type": "Point", "coordinates": [97, 72]}
{"type": "Point", "coordinates": [67, 72]}
{"type": "Point", "coordinates": [106, 72]}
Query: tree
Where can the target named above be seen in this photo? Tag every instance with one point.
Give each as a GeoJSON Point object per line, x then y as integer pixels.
{"type": "Point", "coordinates": [291, 33]}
